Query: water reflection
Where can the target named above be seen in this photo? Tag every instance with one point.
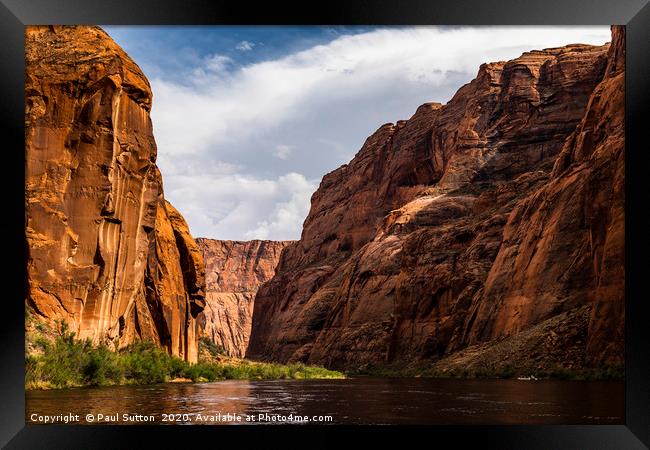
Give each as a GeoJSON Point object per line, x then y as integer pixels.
{"type": "Point", "coordinates": [359, 401]}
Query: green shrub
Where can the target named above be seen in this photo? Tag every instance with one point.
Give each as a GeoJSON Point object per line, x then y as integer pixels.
{"type": "Point", "coordinates": [144, 363]}
{"type": "Point", "coordinates": [102, 367]}
{"type": "Point", "coordinates": [212, 348]}
{"type": "Point", "coordinates": [68, 362]}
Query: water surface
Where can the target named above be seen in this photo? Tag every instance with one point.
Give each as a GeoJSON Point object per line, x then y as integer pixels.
{"type": "Point", "coordinates": [348, 401]}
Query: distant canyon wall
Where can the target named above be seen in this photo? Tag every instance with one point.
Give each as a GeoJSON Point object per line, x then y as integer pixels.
{"type": "Point", "coordinates": [471, 222]}
{"type": "Point", "coordinates": [234, 271]}
{"type": "Point", "coordinates": [106, 252]}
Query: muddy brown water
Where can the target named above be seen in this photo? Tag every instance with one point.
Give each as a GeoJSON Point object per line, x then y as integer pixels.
{"type": "Point", "coordinates": [348, 401]}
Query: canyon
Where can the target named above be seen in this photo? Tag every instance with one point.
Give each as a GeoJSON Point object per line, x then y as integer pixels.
{"type": "Point", "coordinates": [485, 232]}
{"type": "Point", "coordinates": [234, 270]}
{"type": "Point", "coordinates": [106, 253]}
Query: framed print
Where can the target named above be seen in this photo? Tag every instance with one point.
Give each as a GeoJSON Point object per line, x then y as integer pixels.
{"type": "Point", "coordinates": [384, 218]}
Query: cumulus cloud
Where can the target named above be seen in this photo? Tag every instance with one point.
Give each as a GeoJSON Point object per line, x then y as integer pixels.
{"type": "Point", "coordinates": [217, 64]}
{"type": "Point", "coordinates": [222, 133]}
{"type": "Point", "coordinates": [241, 207]}
{"type": "Point", "coordinates": [285, 221]}
{"type": "Point", "coordinates": [245, 46]}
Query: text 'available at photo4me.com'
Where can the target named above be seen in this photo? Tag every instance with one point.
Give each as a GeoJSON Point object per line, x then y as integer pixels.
{"type": "Point", "coordinates": [205, 418]}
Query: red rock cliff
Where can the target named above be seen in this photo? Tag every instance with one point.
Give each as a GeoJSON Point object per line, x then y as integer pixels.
{"type": "Point", "coordinates": [106, 253]}
{"type": "Point", "coordinates": [234, 271]}
{"type": "Point", "coordinates": [469, 222]}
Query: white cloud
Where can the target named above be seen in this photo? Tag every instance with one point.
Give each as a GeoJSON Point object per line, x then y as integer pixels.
{"type": "Point", "coordinates": [324, 100]}
{"type": "Point", "coordinates": [282, 151]}
{"type": "Point", "coordinates": [217, 63]}
{"type": "Point", "coordinates": [285, 221]}
{"type": "Point", "coordinates": [236, 206]}
{"type": "Point", "coordinates": [245, 46]}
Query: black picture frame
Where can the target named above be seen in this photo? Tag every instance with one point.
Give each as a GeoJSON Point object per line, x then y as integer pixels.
{"type": "Point", "coordinates": [15, 14]}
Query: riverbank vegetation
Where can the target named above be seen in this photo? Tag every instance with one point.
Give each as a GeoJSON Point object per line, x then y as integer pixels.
{"type": "Point", "coordinates": [65, 361]}
{"type": "Point", "coordinates": [499, 372]}
{"type": "Point", "coordinates": [56, 359]}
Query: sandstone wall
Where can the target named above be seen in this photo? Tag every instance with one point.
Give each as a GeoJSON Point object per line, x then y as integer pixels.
{"type": "Point", "coordinates": [234, 271]}
{"type": "Point", "coordinates": [468, 222]}
{"type": "Point", "coordinates": [93, 197]}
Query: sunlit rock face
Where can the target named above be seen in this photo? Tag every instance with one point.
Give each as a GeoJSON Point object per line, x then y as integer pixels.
{"type": "Point", "coordinates": [101, 240]}
{"type": "Point", "coordinates": [234, 271]}
{"type": "Point", "coordinates": [467, 223]}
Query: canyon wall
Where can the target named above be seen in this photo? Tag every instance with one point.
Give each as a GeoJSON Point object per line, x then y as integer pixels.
{"type": "Point", "coordinates": [234, 270]}
{"type": "Point", "coordinates": [106, 252]}
{"type": "Point", "coordinates": [472, 222]}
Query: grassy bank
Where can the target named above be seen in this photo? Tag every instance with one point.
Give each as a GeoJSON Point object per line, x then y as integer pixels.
{"type": "Point", "coordinates": [67, 362]}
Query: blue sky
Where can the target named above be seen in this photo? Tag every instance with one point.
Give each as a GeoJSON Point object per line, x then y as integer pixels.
{"type": "Point", "coordinates": [172, 51]}
{"type": "Point", "coordinates": [248, 119]}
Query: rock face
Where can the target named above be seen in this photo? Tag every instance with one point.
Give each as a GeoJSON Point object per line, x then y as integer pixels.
{"type": "Point", "coordinates": [174, 285]}
{"type": "Point", "coordinates": [234, 271]}
{"type": "Point", "coordinates": [470, 222]}
{"type": "Point", "coordinates": [106, 253]}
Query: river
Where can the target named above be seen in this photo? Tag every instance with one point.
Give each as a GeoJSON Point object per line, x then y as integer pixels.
{"type": "Point", "coordinates": [348, 401]}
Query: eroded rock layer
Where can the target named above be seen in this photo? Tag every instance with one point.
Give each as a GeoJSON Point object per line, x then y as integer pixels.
{"type": "Point", "coordinates": [105, 252]}
{"type": "Point", "coordinates": [470, 222]}
{"type": "Point", "coordinates": [234, 271]}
